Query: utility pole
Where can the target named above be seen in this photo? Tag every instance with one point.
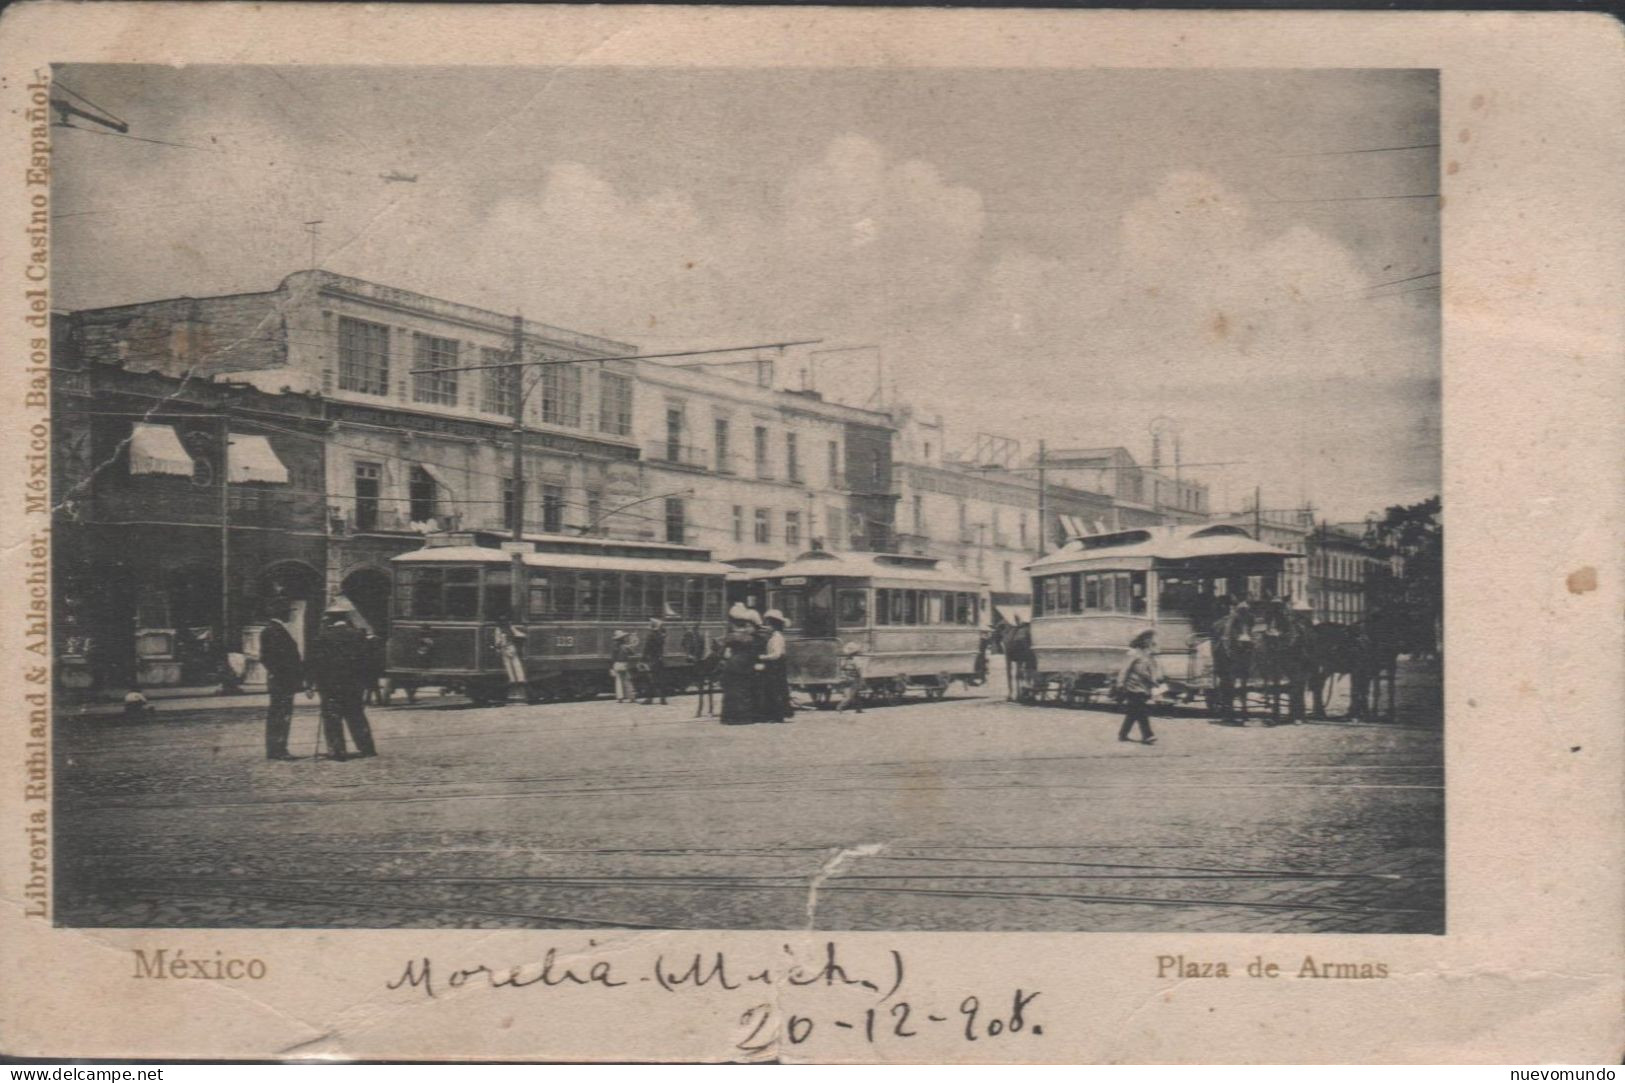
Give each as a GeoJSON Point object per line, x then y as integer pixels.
{"type": "Point", "coordinates": [516, 379]}
{"type": "Point", "coordinates": [1043, 501]}
{"type": "Point", "coordinates": [1258, 512]}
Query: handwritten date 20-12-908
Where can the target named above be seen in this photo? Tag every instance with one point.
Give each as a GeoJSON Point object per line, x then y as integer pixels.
{"type": "Point", "coordinates": [767, 1026]}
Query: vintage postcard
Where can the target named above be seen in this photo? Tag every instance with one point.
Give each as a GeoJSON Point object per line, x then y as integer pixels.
{"type": "Point", "coordinates": [708, 534]}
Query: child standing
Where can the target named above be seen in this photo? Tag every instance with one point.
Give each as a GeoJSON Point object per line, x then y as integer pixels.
{"type": "Point", "coordinates": [851, 672]}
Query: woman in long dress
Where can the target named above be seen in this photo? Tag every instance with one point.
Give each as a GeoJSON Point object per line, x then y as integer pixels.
{"type": "Point", "coordinates": [774, 670]}
{"type": "Point", "coordinates": [740, 678]}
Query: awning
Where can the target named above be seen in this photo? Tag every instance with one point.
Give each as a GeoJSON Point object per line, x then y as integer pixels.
{"type": "Point", "coordinates": [435, 475]}
{"type": "Point", "coordinates": [250, 458]}
{"type": "Point", "coordinates": [155, 449]}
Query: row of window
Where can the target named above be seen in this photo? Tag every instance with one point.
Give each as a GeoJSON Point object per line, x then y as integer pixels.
{"type": "Point", "coordinates": [761, 526]}
{"type": "Point", "coordinates": [453, 593]}
{"type": "Point", "coordinates": [364, 366]}
{"type": "Point", "coordinates": [808, 609]}
{"type": "Point", "coordinates": [1091, 592]}
{"type": "Point", "coordinates": [677, 442]}
{"type": "Point", "coordinates": [895, 606]}
{"type": "Point", "coordinates": [977, 532]}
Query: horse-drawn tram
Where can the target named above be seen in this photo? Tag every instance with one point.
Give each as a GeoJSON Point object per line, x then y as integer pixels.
{"type": "Point", "coordinates": [463, 621]}
{"type": "Point", "coordinates": [917, 624]}
{"type": "Point", "coordinates": [1092, 596]}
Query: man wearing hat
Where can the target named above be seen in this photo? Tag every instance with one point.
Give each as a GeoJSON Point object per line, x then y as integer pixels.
{"type": "Point", "coordinates": [338, 662]}
{"type": "Point", "coordinates": [284, 677]}
{"type": "Point", "coordinates": [622, 657]}
{"type": "Point", "coordinates": [654, 662]}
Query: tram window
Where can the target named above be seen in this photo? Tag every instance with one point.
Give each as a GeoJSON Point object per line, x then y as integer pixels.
{"type": "Point", "coordinates": [852, 608]}
{"type": "Point", "coordinates": [713, 599]}
{"type": "Point", "coordinates": [975, 605]}
{"type": "Point", "coordinates": [498, 594]}
{"type": "Point", "coordinates": [673, 606]}
{"type": "Point", "coordinates": [540, 604]}
{"type": "Point", "coordinates": [790, 603]}
{"type": "Point", "coordinates": [934, 601]}
{"type": "Point", "coordinates": [426, 599]}
{"type": "Point", "coordinates": [564, 595]}
{"type": "Point", "coordinates": [1091, 592]}
{"type": "Point", "coordinates": [462, 593]}
{"type": "Point", "coordinates": [964, 610]}
{"type": "Point", "coordinates": [898, 606]}
{"type": "Point", "coordinates": [882, 606]}
{"type": "Point", "coordinates": [1136, 588]}
{"type": "Point", "coordinates": [609, 593]}
{"type": "Point", "coordinates": [654, 596]}
{"type": "Point", "coordinates": [404, 579]}
{"type": "Point", "coordinates": [696, 598]}
{"type": "Point", "coordinates": [819, 619]}
{"type": "Point", "coordinates": [1050, 606]}
{"type": "Point", "coordinates": [1108, 592]}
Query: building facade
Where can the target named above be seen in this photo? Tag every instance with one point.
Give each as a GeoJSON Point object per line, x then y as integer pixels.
{"type": "Point", "coordinates": [185, 512]}
{"type": "Point", "coordinates": [1150, 494]}
{"type": "Point", "coordinates": [756, 474]}
{"type": "Point", "coordinates": [371, 401]}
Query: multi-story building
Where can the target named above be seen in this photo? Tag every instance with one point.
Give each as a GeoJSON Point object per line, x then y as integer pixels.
{"type": "Point", "coordinates": [408, 449]}
{"type": "Point", "coordinates": [756, 474]}
{"type": "Point", "coordinates": [1114, 472]}
{"type": "Point", "coordinates": [182, 510]}
{"type": "Point", "coordinates": [405, 434]}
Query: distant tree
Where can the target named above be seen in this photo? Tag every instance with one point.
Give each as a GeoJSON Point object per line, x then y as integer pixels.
{"type": "Point", "coordinates": [1414, 533]}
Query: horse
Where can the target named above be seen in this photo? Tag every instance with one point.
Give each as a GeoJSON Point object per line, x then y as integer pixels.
{"type": "Point", "coordinates": [1018, 659]}
{"type": "Point", "coordinates": [1233, 637]}
{"type": "Point", "coordinates": [705, 663]}
{"type": "Point", "coordinates": [1379, 640]}
{"type": "Point", "coordinates": [1283, 659]}
{"type": "Point", "coordinates": [1332, 654]}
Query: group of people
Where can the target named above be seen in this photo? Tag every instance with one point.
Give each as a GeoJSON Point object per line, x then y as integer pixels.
{"type": "Point", "coordinates": [640, 669]}
{"type": "Point", "coordinates": [339, 667]}
{"type": "Point", "coordinates": [755, 677]}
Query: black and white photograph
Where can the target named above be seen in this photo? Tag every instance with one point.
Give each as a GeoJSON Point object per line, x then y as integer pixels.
{"type": "Point", "coordinates": [798, 498]}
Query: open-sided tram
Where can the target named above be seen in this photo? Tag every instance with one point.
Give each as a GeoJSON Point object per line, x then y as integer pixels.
{"type": "Point", "coordinates": [918, 623]}
{"type": "Point", "coordinates": [1096, 593]}
{"type": "Point", "coordinates": [479, 615]}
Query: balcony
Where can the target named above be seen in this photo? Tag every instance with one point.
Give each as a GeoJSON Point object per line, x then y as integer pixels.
{"type": "Point", "coordinates": [664, 451]}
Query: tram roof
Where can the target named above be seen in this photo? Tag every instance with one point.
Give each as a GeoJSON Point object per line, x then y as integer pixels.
{"type": "Point", "coordinates": [1168, 543]}
{"type": "Point", "coordinates": [884, 567]}
{"type": "Point", "coordinates": [479, 554]}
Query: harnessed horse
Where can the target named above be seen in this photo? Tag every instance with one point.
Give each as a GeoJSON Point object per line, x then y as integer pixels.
{"type": "Point", "coordinates": [705, 662]}
{"type": "Point", "coordinates": [1283, 659]}
{"type": "Point", "coordinates": [1018, 660]}
{"type": "Point", "coordinates": [1233, 641]}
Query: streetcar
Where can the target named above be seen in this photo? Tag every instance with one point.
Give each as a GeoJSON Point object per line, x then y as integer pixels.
{"type": "Point", "coordinates": [459, 623]}
{"type": "Point", "coordinates": [917, 622]}
{"type": "Point", "coordinates": [1097, 592]}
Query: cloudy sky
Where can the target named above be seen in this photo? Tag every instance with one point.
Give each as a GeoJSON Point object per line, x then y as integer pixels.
{"type": "Point", "coordinates": [1065, 255]}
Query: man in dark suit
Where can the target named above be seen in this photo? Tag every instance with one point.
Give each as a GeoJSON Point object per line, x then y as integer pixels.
{"type": "Point", "coordinates": [284, 677]}
{"type": "Point", "coordinates": [338, 662]}
{"type": "Point", "coordinates": [654, 662]}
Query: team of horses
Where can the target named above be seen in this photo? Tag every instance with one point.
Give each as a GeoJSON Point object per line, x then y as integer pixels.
{"type": "Point", "coordinates": [1266, 647]}
{"type": "Point", "coordinates": [1283, 654]}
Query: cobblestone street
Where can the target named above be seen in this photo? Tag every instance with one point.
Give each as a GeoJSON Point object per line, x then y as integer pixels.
{"type": "Point", "coordinates": [969, 814]}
